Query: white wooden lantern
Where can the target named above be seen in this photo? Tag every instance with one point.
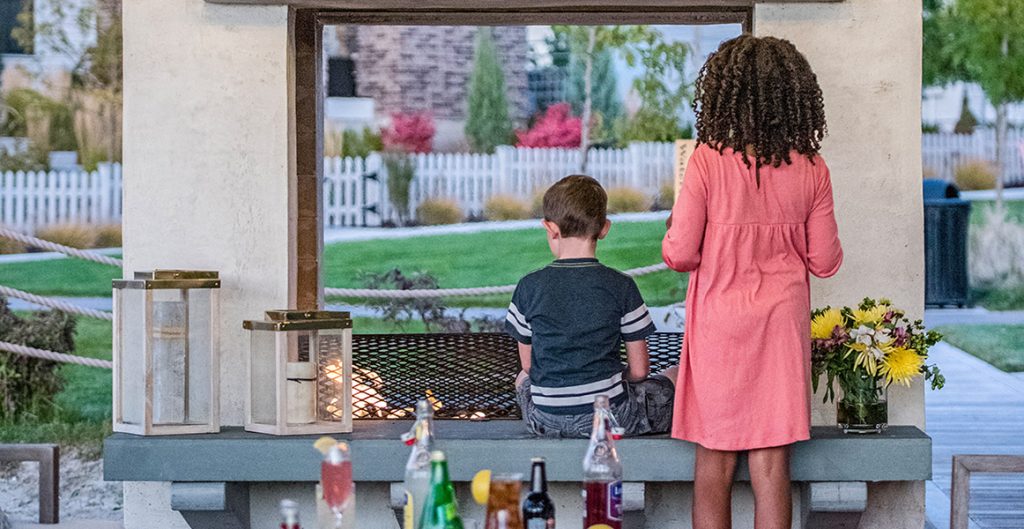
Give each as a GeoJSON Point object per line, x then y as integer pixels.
{"type": "Point", "coordinates": [300, 373]}
{"type": "Point", "coordinates": [166, 356]}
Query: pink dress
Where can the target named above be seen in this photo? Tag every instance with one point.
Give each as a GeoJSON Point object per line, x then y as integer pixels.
{"type": "Point", "coordinates": [744, 372]}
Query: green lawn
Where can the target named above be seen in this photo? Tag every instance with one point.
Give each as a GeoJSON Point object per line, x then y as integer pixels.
{"type": "Point", "coordinates": [999, 345]}
{"type": "Point", "coordinates": [1014, 207]}
{"type": "Point", "coordinates": [465, 260]}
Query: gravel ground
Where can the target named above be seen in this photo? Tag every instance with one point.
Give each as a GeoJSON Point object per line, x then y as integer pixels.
{"type": "Point", "coordinates": [83, 493]}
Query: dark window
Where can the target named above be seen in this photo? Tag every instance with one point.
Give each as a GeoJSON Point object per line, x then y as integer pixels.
{"type": "Point", "coordinates": [9, 10]}
{"type": "Point", "coordinates": [341, 77]}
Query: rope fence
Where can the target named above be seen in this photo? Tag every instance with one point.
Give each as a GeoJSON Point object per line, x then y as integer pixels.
{"type": "Point", "coordinates": [456, 292]}
{"type": "Point", "coordinates": [43, 354]}
{"type": "Point", "coordinates": [13, 235]}
{"type": "Point", "coordinates": [55, 303]}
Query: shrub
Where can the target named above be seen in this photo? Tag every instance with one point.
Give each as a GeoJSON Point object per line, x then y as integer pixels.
{"type": "Point", "coordinates": [73, 235]}
{"type": "Point", "coordinates": [108, 236]}
{"type": "Point", "coordinates": [506, 207]}
{"type": "Point", "coordinates": [627, 200]}
{"type": "Point", "coordinates": [537, 203]}
{"type": "Point", "coordinates": [977, 174]}
{"type": "Point", "coordinates": [434, 211]}
{"type": "Point", "coordinates": [8, 246]}
{"type": "Point", "coordinates": [29, 386]}
{"type": "Point", "coordinates": [431, 311]}
{"type": "Point", "coordinates": [556, 128]}
{"type": "Point", "coordinates": [997, 251]}
{"type": "Point", "coordinates": [412, 132]}
{"type": "Point", "coordinates": [666, 196]}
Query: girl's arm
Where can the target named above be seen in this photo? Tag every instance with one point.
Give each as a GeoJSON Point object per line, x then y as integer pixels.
{"type": "Point", "coordinates": [639, 362]}
{"type": "Point", "coordinates": [682, 243]}
{"type": "Point", "coordinates": [824, 252]}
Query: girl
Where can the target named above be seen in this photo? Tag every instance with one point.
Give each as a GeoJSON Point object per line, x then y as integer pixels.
{"type": "Point", "coordinates": [753, 217]}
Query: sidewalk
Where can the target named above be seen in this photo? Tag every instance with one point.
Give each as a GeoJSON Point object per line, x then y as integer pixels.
{"type": "Point", "coordinates": [980, 411]}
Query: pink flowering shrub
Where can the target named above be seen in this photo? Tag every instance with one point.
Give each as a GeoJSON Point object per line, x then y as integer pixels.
{"type": "Point", "coordinates": [409, 132]}
{"type": "Point", "coordinates": [556, 128]}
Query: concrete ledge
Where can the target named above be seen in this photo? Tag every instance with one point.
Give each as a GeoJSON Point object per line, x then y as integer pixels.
{"type": "Point", "coordinates": [903, 453]}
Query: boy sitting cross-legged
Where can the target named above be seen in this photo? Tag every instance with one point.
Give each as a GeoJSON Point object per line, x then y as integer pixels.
{"type": "Point", "coordinates": [570, 318]}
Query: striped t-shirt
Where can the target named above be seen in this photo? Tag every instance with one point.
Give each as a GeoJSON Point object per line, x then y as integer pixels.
{"type": "Point", "coordinates": [575, 313]}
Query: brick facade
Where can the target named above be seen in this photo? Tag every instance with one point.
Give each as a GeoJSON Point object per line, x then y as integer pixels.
{"type": "Point", "coordinates": [409, 68]}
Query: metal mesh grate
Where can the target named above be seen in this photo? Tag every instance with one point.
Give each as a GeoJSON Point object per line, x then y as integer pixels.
{"type": "Point", "coordinates": [469, 375]}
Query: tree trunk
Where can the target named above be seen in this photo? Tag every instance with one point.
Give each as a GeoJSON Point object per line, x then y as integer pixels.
{"type": "Point", "coordinates": [588, 89]}
{"type": "Point", "coordinates": [1001, 126]}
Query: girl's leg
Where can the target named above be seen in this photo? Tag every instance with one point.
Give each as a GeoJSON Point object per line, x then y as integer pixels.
{"type": "Point", "coordinates": [712, 489]}
{"type": "Point", "coordinates": [769, 475]}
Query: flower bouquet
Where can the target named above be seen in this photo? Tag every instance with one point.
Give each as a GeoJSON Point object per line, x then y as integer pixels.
{"type": "Point", "coordinates": [866, 349]}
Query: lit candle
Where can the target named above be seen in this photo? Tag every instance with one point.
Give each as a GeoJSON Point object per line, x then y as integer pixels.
{"type": "Point", "coordinates": [301, 392]}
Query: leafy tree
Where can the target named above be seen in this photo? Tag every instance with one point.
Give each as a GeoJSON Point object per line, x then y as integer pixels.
{"type": "Point", "coordinates": [660, 87]}
{"type": "Point", "coordinates": [488, 124]}
{"type": "Point", "coordinates": [980, 41]}
{"type": "Point", "coordinates": [605, 97]}
{"type": "Point", "coordinates": [95, 90]}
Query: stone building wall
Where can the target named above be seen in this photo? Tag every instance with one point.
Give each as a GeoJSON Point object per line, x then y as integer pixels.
{"type": "Point", "coordinates": [411, 68]}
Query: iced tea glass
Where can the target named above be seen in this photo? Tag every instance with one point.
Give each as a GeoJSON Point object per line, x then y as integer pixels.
{"type": "Point", "coordinates": [504, 496]}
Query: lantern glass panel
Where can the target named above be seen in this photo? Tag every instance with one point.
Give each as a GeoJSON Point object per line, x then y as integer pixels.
{"type": "Point", "coordinates": [263, 377]}
{"type": "Point", "coordinates": [169, 340]}
{"type": "Point", "coordinates": [331, 401]}
{"type": "Point", "coordinates": [200, 354]}
{"type": "Point", "coordinates": [301, 377]}
{"type": "Point", "coordinates": [131, 331]}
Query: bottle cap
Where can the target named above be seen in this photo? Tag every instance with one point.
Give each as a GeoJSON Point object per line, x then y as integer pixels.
{"type": "Point", "coordinates": [437, 455]}
{"type": "Point", "coordinates": [537, 460]}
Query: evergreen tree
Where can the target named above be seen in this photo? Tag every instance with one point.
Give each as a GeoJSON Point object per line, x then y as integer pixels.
{"type": "Point", "coordinates": [488, 124]}
{"type": "Point", "coordinates": [967, 121]}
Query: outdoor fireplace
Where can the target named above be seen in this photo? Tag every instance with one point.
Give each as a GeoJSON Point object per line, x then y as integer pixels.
{"type": "Point", "coordinates": [299, 373]}
{"type": "Point", "coordinates": [166, 353]}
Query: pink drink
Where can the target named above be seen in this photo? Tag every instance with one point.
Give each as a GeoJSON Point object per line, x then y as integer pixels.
{"type": "Point", "coordinates": [336, 480]}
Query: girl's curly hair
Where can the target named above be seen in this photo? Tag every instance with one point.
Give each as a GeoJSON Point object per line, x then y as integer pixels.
{"type": "Point", "coordinates": [759, 92]}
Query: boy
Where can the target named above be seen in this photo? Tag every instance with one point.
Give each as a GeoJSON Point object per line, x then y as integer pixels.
{"type": "Point", "coordinates": [569, 318]}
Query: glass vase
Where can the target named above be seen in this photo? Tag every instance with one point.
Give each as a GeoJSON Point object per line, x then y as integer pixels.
{"type": "Point", "coordinates": [863, 408]}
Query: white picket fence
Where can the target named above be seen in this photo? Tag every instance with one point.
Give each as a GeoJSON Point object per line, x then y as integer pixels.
{"type": "Point", "coordinates": [471, 179]}
{"type": "Point", "coordinates": [33, 199]}
{"type": "Point", "coordinates": [942, 153]}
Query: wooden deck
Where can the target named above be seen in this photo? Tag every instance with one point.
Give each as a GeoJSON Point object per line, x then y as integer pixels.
{"type": "Point", "coordinates": [981, 411]}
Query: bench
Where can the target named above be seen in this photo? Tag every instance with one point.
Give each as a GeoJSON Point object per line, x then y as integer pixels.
{"type": "Point", "coordinates": [216, 478]}
{"type": "Point", "coordinates": [48, 457]}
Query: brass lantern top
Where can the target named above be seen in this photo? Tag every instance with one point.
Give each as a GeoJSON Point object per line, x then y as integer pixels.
{"type": "Point", "coordinates": [170, 279]}
{"type": "Point", "coordinates": [300, 320]}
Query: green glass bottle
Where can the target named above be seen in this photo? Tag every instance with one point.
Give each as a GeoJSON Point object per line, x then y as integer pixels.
{"type": "Point", "coordinates": [440, 511]}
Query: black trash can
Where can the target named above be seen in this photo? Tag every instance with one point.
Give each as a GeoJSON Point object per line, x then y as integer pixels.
{"type": "Point", "coordinates": [946, 219]}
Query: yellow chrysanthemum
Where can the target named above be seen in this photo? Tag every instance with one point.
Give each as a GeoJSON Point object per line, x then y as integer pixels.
{"type": "Point", "coordinates": [870, 316]}
{"type": "Point", "coordinates": [901, 365]}
{"type": "Point", "coordinates": [825, 323]}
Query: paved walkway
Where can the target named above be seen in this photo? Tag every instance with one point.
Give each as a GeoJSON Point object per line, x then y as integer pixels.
{"type": "Point", "coordinates": [980, 411]}
{"type": "Point", "coordinates": [972, 316]}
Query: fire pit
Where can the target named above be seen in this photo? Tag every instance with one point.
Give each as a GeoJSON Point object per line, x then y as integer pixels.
{"type": "Point", "coordinates": [466, 376]}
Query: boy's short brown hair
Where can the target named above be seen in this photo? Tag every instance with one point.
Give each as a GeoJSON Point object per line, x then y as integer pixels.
{"type": "Point", "coordinates": [578, 205]}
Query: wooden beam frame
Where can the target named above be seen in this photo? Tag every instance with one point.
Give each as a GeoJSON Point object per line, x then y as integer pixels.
{"type": "Point", "coordinates": [308, 18]}
{"type": "Point", "coordinates": [516, 6]}
{"type": "Point", "coordinates": [963, 467]}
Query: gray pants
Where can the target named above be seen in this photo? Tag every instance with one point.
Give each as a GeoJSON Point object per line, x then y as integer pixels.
{"type": "Point", "coordinates": [646, 409]}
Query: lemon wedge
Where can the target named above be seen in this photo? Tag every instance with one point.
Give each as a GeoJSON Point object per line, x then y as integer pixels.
{"type": "Point", "coordinates": [481, 486]}
{"type": "Point", "coordinates": [324, 444]}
